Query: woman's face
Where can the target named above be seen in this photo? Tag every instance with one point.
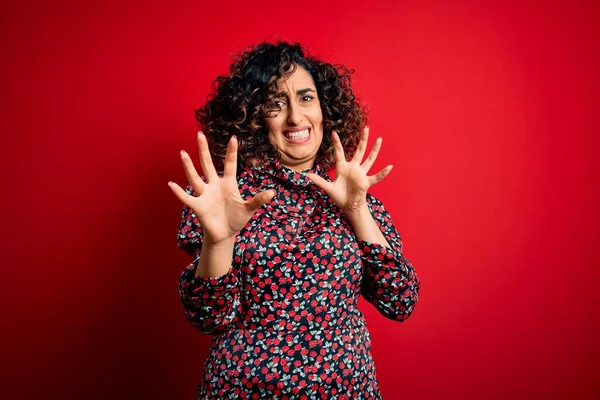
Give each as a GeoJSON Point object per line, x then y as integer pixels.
{"type": "Point", "coordinates": [297, 130]}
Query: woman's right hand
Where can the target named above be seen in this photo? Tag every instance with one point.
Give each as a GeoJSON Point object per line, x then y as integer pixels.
{"type": "Point", "coordinates": [220, 209]}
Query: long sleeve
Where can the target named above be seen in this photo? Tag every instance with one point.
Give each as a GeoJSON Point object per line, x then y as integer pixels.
{"type": "Point", "coordinates": [390, 282]}
{"type": "Point", "coordinates": [211, 304]}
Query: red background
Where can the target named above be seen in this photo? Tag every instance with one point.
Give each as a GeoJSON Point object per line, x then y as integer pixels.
{"type": "Point", "coordinates": [489, 113]}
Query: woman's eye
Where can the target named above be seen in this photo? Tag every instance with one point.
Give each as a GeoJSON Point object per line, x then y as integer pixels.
{"type": "Point", "coordinates": [307, 98]}
{"type": "Point", "coordinates": [279, 103]}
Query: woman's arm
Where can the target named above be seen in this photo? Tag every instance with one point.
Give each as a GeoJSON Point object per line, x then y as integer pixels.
{"type": "Point", "coordinates": [215, 258]}
{"type": "Point", "coordinates": [390, 282]}
{"type": "Point", "coordinates": [209, 286]}
{"type": "Point", "coordinates": [365, 227]}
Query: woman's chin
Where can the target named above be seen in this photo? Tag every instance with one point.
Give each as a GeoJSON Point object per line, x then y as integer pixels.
{"type": "Point", "coordinates": [297, 162]}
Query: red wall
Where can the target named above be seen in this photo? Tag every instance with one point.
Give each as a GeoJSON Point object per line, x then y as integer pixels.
{"type": "Point", "coordinates": [489, 112]}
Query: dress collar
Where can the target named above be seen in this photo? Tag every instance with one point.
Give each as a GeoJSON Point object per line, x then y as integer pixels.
{"type": "Point", "coordinates": [277, 171]}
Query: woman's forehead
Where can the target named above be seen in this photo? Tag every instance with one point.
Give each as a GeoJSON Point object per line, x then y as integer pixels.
{"type": "Point", "coordinates": [299, 79]}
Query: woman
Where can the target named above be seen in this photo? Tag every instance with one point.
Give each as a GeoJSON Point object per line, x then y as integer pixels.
{"type": "Point", "coordinates": [282, 252]}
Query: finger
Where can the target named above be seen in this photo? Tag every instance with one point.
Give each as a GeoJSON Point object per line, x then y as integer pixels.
{"type": "Point", "coordinates": [230, 167]}
{"type": "Point", "coordinates": [259, 200]}
{"type": "Point", "coordinates": [338, 147]}
{"type": "Point", "coordinates": [373, 179]}
{"type": "Point", "coordinates": [191, 173]}
{"type": "Point", "coordinates": [180, 193]}
{"type": "Point", "coordinates": [372, 155]}
{"type": "Point", "coordinates": [319, 181]}
{"type": "Point", "coordinates": [205, 160]}
{"type": "Point", "coordinates": [362, 146]}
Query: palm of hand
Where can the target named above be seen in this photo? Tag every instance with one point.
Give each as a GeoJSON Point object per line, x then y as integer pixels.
{"type": "Point", "coordinates": [349, 189]}
{"type": "Point", "coordinates": [220, 209]}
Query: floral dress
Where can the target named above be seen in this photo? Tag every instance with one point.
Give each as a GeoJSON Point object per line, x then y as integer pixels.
{"type": "Point", "coordinates": [284, 318]}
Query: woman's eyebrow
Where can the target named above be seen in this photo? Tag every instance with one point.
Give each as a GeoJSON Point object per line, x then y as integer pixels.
{"type": "Point", "coordinates": [298, 92]}
{"type": "Point", "coordinates": [303, 91]}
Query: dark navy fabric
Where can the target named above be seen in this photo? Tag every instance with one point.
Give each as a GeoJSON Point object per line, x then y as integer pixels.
{"type": "Point", "coordinates": [284, 318]}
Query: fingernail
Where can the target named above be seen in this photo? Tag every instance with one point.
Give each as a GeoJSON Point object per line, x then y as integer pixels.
{"type": "Point", "coordinates": [182, 152]}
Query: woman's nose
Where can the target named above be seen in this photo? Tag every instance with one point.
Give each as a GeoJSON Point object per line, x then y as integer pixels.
{"type": "Point", "coordinates": [294, 116]}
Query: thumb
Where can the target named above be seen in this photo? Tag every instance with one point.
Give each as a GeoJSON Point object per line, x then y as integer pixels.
{"type": "Point", "coordinates": [181, 194]}
{"type": "Point", "coordinates": [259, 200]}
{"type": "Point", "coordinates": [319, 181]}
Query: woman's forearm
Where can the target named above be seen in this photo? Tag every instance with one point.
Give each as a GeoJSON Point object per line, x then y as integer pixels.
{"type": "Point", "coordinates": [215, 258]}
{"type": "Point", "coordinates": [366, 228]}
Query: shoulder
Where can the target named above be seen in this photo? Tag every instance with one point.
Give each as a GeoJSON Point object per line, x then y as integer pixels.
{"type": "Point", "coordinates": [378, 209]}
{"type": "Point", "coordinates": [249, 182]}
{"type": "Point", "coordinates": [374, 202]}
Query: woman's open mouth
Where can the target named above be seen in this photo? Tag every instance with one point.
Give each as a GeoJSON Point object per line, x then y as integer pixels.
{"type": "Point", "coordinates": [298, 136]}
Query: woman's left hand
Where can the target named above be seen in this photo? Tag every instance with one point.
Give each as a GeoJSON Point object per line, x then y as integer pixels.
{"type": "Point", "coordinates": [349, 189]}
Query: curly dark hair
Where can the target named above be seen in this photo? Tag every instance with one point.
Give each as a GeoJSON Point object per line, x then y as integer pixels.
{"type": "Point", "coordinates": [241, 101]}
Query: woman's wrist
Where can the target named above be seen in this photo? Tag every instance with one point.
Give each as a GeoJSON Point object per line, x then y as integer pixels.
{"type": "Point", "coordinates": [215, 258]}
{"type": "Point", "coordinates": [220, 243]}
{"type": "Point", "coordinates": [358, 214]}
{"type": "Point", "coordinates": [365, 227]}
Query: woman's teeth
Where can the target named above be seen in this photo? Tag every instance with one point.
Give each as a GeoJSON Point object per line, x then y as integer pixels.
{"type": "Point", "coordinates": [297, 135]}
